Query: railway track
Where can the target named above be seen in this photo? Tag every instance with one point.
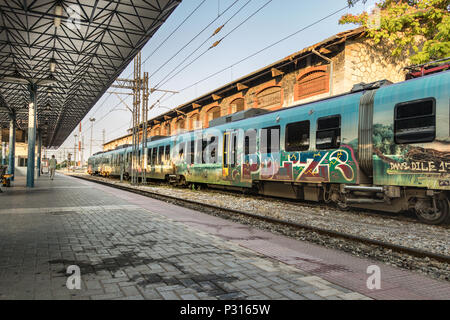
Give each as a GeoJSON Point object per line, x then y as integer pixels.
{"type": "Point", "coordinates": [232, 212]}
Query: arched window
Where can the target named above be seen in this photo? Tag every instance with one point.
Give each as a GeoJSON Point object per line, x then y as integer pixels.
{"type": "Point", "coordinates": [181, 124]}
{"type": "Point", "coordinates": [237, 105]}
{"type": "Point", "coordinates": [157, 131]}
{"type": "Point", "coordinates": [213, 113]}
{"type": "Point", "coordinates": [313, 81]}
{"type": "Point", "coordinates": [167, 128]}
{"type": "Point", "coordinates": [269, 98]}
{"type": "Point", "coordinates": [194, 122]}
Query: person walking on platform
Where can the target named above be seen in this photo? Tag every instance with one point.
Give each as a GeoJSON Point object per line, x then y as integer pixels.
{"type": "Point", "coordinates": [52, 167]}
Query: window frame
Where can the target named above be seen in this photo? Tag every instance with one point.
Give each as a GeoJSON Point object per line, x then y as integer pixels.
{"type": "Point", "coordinates": [434, 114]}
{"type": "Point", "coordinates": [286, 134]}
{"type": "Point", "coordinates": [269, 145]}
{"type": "Point", "coordinates": [247, 137]}
{"type": "Point", "coordinates": [329, 129]}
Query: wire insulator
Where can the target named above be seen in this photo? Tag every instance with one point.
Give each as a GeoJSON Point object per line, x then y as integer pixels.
{"type": "Point", "coordinates": [218, 30]}
{"type": "Point", "coordinates": [216, 44]}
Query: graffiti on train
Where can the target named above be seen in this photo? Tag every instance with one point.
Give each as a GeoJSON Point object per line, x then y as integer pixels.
{"type": "Point", "coordinates": [315, 167]}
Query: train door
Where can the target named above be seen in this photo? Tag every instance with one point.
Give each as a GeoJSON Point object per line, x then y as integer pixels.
{"type": "Point", "coordinates": [269, 146]}
{"type": "Point", "coordinates": [153, 161]}
{"type": "Point", "coordinates": [160, 161]}
{"type": "Point", "coordinates": [230, 148]}
{"type": "Point", "coordinates": [121, 166]}
{"type": "Point", "coordinates": [167, 161]}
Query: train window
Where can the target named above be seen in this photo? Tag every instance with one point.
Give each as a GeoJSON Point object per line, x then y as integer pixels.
{"type": "Point", "coordinates": [297, 136]}
{"type": "Point", "coordinates": [250, 142]}
{"type": "Point", "coordinates": [213, 141]}
{"type": "Point", "coordinates": [149, 154]}
{"type": "Point", "coordinates": [167, 153]}
{"type": "Point", "coordinates": [226, 143]}
{"type": "Point", "coordinates": [415, 121]}
{"type": "Point", "coordinates": [192, 152]}
{"type": "Point", "coordinates": [204, 152]}
{"type": "Point", "coordinates": [160, 154]}
{"type": "Point", "coordinates": [181, 150]}
{"type": "Point", "coordinates": [154, 156]}
{"type": "Point", "coordinates": [270, 140]}
{"type": "Point", "coordinates": [199, 151]}
{"type": "Point", "coordinates": [234, 150]}
{"type": "Point", "coordinates": [328, 135]}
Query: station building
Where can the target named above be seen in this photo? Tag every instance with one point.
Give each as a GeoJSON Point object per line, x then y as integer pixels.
{"type": "Point", "coordinates": [330, 67]}
{"type": "Point", "coordinates": [21, 147]}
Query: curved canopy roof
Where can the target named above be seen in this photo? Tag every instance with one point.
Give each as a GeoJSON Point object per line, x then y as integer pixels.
{"type": "Point", "coordinates": [89, 42]}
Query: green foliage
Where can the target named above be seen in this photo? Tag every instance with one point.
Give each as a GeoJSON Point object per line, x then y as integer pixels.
{"type": "Point", "coordinates": [402, 21]}
{"type": "Point", "coordinates": [383, 137]}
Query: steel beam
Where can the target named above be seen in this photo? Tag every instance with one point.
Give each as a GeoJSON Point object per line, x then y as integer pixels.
{"type": "Point", "coordinates": [31, 135]}
{"type": "Point", "coordinates": [12, 145]}
{"type": "Point", "coordinates": [2, 154]}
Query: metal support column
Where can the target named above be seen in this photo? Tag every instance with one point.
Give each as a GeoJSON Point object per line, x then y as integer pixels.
{"type": "Point", "coordinates": [39, 154]}
{"type": "Point", "coordinates": [31, 135]}
{"type": "Point", "coordinates": [2, 154]}
{"type": "Point", "coordinates": [12, 145]}
{"type": "Point", "coordinates": [136, 163]}
{"type": "Point", "coordinates": [145, 95]}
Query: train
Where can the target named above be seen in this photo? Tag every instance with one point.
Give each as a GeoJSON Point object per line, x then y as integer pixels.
{"type": "Point", "coordinates": [382, 146]}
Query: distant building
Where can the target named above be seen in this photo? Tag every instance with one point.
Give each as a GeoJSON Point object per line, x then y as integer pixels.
{"type": "Point", "coordinates": [21, 151]}
{"type": "Point", "coordinates": [330, 67]}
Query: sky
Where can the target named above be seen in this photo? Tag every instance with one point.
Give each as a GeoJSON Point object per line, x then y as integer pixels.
{"type": "Point", "coordinates": [251, 25]}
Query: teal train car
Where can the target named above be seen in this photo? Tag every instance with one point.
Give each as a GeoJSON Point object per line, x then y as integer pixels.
{"type": "Point", "coordinates": [382, 146]}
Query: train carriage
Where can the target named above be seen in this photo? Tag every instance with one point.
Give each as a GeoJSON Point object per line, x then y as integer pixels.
{"type": "Point", "coordinates": [383, 146]}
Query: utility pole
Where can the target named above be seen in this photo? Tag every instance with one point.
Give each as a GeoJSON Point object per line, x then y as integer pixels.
{"type": "Point", "coordinates": [82, 150]}
{"type": "Point", "coordinates": [104, 136]}
{"type": "Point", "coordinates": [75, 152]}
{"type": "Point", "coordinates": [139, 116]}
{"type": "Point", "coordinates": [79, 146]}
{"type": "Point", "coordinates": [92, 120]}
{"type": "Point", "coordinates": [145, 95]}
{"type": "Point", "coordinates": [136, 118]}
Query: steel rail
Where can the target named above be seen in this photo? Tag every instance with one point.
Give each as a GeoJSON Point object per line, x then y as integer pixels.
{"type": "Point", "coordinates": [331, 233]}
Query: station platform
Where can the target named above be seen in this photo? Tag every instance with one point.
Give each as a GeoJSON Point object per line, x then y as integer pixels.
{"type": "Point", "coordinates": [128, 246]}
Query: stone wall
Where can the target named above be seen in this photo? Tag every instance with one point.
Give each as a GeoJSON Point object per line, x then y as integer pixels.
{"type": "Point", "coordinates": [369, 62]}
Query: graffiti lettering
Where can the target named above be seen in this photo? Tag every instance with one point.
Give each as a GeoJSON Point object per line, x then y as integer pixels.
{"type": "Point", "coordinates": [421, 166]}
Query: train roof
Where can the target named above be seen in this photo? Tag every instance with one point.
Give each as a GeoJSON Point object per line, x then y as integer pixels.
{"type": "Point", "coordinates": [358, 89]}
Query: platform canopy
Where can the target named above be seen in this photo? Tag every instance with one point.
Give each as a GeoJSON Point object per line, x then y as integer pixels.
{"type": "Point", "coordinates": [73, 51]}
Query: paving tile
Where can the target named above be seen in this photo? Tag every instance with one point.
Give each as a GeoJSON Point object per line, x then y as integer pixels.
{"type": "Point", "coordinates": [127, 252]}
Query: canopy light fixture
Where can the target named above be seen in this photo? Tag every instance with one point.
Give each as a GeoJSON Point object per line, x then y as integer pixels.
{"type": "Point", "coordinates": [52, 65]}
{"type": "Point", "coordinates": [50, 90]}
{"type": "Point", "coordinates": [58, 14]}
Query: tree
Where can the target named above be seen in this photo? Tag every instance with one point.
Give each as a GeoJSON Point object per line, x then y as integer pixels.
{"type": "Point", "coordinates": [402, 22]}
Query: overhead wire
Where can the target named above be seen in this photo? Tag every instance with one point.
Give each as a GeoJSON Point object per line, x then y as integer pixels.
{"type": "Point", "coordinates": [198, 34]}
{"type": "Point", "coordinates": [262, 50]}
{"type": "Point", "coordinates": [249, 56]}
{"type": "Point", "coordinates": [165, 80]}
{"type": "Point", "coordinates": [194, 38]}
{"type": "Point", "coordinates": [148, 57]}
